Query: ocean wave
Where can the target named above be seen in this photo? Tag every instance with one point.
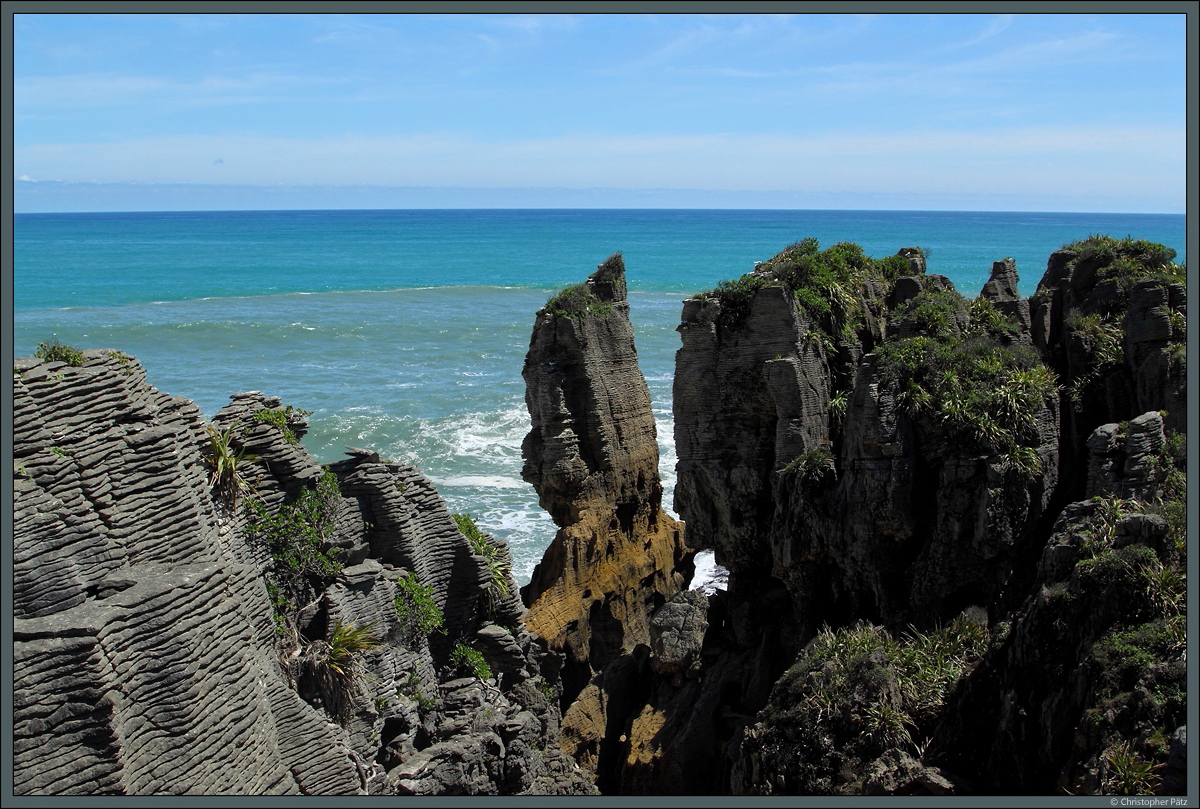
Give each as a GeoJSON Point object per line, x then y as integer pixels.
{"type": "Point", "coordinates": [709, 576]}
{"type": "Point", "coordinates": [480, 481]}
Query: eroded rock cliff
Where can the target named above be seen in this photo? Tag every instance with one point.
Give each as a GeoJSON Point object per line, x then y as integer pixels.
{"type": "Point", "coordinates": [592, 455]}
{"type": "Point", "coordinates": [204, 609]}
{"type": "Point", "coordinates": [885, 468]}
{"type": "Point", "coordinates": [880, 456]}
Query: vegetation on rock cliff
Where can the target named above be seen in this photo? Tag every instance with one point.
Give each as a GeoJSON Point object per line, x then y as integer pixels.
{"type": "Point", "coordinates": [281, 418]}
{"type": "Point", "coordinates": [335, 667]}
{"type": "Point", "coordinates": [1125, 261]}
{"type": "Point", "coordinates": [470, 660]}
{"type": "Point", "coordinates": [575, 301]}
{"type": "Point", "coordinates": [297, 535]}
{"type": "Point", "coordinates": [497, 564]}
{"type": "Point", "coordinates": [1101, 262]}
{"type": "Point", "coordinates": [855, 693]}
{"type": "Point", "coordinates": [419, 615]}
{"type": "Point", "coordinates": [227, 466]}
{"type": "Point", "coordinates": [54, 351]}
{"type": "Point", "coordinates": [985, 393]}
{"type": "Point", "coordinates": [826, 283]}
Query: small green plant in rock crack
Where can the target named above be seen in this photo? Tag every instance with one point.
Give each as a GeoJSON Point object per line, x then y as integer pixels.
{"type": "Point", "coordinates": [497, 565]}
{"type": "Point", "coordinates": [346, 644]}
{"type": "Point", "coordinates": [281, 418]}
{"type": "Point", "coordinates": [416, 610]}
{"type": "Point", "coordinates": [412, 689]}
{"type": "Point", "coordinates": [814, 466]}
{"type": "Point", "coordinates": [837, 408]}
{"type": "Point", "coordinates": [1129, 773]}
{"type": "Point", "coordinates": [336, 666]}
{"type": "Point", "coordinates": [123, 360]}
{"type": "Point", "coordinates": [297, 536]}
{"type": "Point", "coordinates": [465, 658]}
{"type": "Point", "coordinates": [228, 465]}
{"type": "Point", "coordinates": [60, 452]}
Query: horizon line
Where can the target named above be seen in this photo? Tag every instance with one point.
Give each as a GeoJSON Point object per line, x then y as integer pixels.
{"type": "Point", "coordinates": [464, 208]}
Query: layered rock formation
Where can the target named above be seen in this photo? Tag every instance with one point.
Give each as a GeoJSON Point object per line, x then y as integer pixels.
{"type": "Point", "coordinates": [894, 457]}
{"type": "Point", "coordinates": [866, 450]}
{"type": "Point", "coordinates": [954, 530]}
{"type": "Point", "coordinates": [203, 609]}
{"type": "Point", "coordinates": [592, 455]}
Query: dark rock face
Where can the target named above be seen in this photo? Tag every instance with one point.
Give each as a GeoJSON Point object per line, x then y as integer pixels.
{"type": "Point", "coordinates": [1094, 658]}
{"type": "Point", "coordinates": [592, 455]}
{"type": "Point", "coordinates": [147, 659]}
{"type": "Point", "coordinates": [834, 500]}
{"type": "Point", "coordinates": [883, 514]}
{"type": "Point", "coordinates": [1116, 337]}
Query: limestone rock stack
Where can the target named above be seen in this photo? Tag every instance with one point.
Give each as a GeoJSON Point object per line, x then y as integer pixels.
{"type": "Point", "coordinates": [592, 455]}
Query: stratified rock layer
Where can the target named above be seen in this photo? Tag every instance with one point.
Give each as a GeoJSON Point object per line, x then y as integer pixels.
{"type": "Point", "coordinates": [152, 654]}
{"type": "Point", "coordinates": [143, 649]}
{"type": "Point", "coordinates": [592, 455]}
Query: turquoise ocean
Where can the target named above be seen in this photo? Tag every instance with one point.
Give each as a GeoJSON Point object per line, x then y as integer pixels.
{"type": "Point", "coordinates": [405, 331]}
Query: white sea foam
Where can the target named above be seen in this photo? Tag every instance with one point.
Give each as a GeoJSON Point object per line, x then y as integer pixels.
{"type": "Point", "coordinates": [481, 481]}
{"type": "Point", "coordinates": [709, 576]}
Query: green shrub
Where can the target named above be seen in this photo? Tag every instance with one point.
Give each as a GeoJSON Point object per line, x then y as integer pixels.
{"type": "Point", "coordinates": [335, 666]}
{"type": "Point", "coordinates": [1129, 773]}
{"type": "Point", "coordinates": [933, 313]}
{"type": "Point", "coordinates": [735, 297]}
{"type": "Point", "coordinates": [575, 302]}
{"type": "Point", "coordinates": [814, 466]}
{"type": "Point", "coordinates": [893, 267]}
{"type": "Point", "coordinates": [497, 563]}
{"type": "Point", "coordinates": [280, 418]}
{"type": "Point", "coordinates": [54, 351]}
{"type": "Point", "coordinates": [346, 644]}
{"type": "Point", "coordinates": [986, 320]}
{"type": "Point", "coordinates": [987, 394]}
{"type": "Point", "coordinates": [470, 660]}
{"type": "Point", "coordinates": [854, 693]}
{"type": "Point", "coordinates": [837, 408]}
{"type": "Point", "coordinates": [418, 614]}
{"type": "Point", "coordinates": [827, 284]}
{"type": "Point", "coordinates": [297, 537]}
{"type": "Point", "coordinates": [926, 664]}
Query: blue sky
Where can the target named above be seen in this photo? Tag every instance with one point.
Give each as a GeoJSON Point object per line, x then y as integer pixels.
{"type": "Point", "coordinates": [975, 112]}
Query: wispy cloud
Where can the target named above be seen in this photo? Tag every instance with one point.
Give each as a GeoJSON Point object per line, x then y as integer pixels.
{"type": "Point", "coordinates": [112, 90]}
{"type": "Point", "coordinates": [929, 160]}
{"type": "Point", "coordinates": [995, 26]}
